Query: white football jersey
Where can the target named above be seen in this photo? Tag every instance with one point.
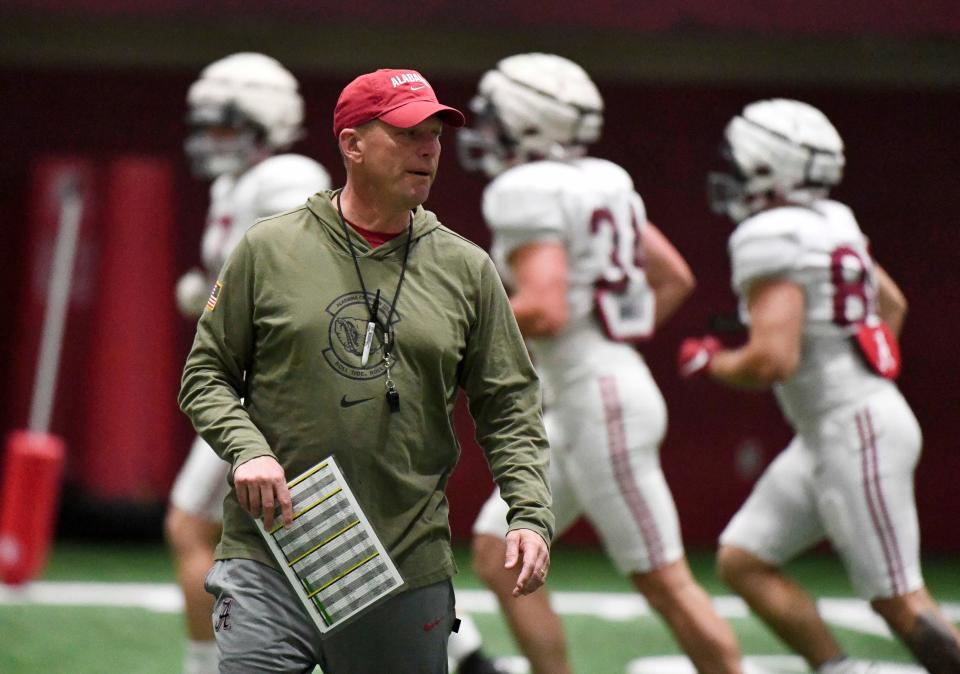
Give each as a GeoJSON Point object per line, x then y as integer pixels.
{"type": "Point", "coordinates": [590, 206]}
{"type": "Point", "coordinates": [276, 184]}
{"type": "Point", "coordinates": [823, 251]}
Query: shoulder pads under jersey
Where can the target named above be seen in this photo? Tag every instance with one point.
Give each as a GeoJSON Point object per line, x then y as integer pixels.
{"type": "Point", "coordinates": [527, 199]}
{"type": "Point", "coordinates": [285, 181]}
{"type": "Point", "coordinates": [768, 244]}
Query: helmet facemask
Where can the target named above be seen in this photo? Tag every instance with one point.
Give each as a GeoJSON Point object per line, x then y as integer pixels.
{"type": "Point", "coordinates": [735, 194]}
{"type": "Point", "coordinates": [222, 140]}
{"type": "Point", "coordinates": [485, 147]}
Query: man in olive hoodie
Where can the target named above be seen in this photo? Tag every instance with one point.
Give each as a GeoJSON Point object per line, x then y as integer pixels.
{"type": "Point", "coordinates": [344, 328]}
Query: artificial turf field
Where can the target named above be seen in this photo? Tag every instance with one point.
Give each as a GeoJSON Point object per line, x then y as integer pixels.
{"type": "Point", "coordinates": [134, 624]}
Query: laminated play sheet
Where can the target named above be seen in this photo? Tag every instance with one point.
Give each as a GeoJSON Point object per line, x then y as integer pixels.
{"type": "Point", "coordinates": [331, 555]}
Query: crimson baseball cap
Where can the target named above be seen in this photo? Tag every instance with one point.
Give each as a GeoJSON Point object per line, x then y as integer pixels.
{"type": "Point", "coordinates": [399, 97]}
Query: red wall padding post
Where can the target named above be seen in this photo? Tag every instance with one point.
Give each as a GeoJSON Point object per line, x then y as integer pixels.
{"type": "Point", "coordinates": [130, 394]}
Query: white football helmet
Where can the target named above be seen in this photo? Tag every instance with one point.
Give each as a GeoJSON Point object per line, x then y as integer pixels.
{"type": "Point", "coordinates": [251, 94]}
{"type": "Point", "coordinates": [780, 150]}
{"type": "Point", "coordinates": [531, 106]}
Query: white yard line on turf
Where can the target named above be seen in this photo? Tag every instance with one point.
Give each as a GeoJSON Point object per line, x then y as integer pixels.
{"type": "Point", "coordinates": [755, 664]}
{"type": "Point", "coordinates": [853, 614]}
{"type": "Point", "coordinates": [159, 597]}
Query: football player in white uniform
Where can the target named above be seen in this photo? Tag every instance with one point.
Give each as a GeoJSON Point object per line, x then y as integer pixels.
{"type": "Point", "coordinates": [823, 319]}
{"type": "Point", "coordinates": [590, 277]}
{"type": "Point", "coordinates": [242, 111]}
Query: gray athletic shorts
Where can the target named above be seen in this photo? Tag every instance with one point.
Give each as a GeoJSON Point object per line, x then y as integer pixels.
{"type": "Point", "coordinates": [260, 626]}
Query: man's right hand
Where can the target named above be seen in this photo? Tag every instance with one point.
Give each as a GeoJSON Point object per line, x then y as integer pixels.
{"type": "Point", "coordinates": [260, 485]}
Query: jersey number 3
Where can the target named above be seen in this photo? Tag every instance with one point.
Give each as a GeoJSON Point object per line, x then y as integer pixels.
{"type": "Point", "coordinates": [624, 300]}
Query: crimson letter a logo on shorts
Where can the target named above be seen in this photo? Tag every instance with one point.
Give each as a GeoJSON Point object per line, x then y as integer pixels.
{"type": "Point", "coordinates": [223, 620]}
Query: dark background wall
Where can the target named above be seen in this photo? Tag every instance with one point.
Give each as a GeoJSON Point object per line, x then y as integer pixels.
{"type": "Point", "coordinates": [890, 87]}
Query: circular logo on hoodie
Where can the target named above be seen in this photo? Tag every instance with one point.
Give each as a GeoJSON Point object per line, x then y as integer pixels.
{"type": "Point", "coordinates": [349, 316]}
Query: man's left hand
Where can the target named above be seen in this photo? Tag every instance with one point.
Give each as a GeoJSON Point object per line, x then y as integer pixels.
{"type": "Point", "coordinates": [532, 552]}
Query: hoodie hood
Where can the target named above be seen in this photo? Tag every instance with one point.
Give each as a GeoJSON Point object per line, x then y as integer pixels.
{"type": "Point", "coordinates": [322, 206]}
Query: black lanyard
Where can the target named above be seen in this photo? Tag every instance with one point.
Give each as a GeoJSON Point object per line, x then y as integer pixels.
{"type": "Point", "coordinates": [386, 328]}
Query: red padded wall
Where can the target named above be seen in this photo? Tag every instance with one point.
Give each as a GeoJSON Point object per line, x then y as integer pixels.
{"type": "Point", "coordinates": [129, 452]}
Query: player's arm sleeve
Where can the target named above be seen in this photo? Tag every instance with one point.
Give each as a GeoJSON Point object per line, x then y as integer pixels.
{"type": "Point", "coordinates": [504, 398]}
{"type": "Point", "coordinates": [763, 251]}
{"type": "Point", "coordinates": [521, 214]}
{"type": "Point", "coordinates": [213, 378]}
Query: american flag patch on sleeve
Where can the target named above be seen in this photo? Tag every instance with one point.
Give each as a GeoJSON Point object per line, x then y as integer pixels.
{"type": "Point", "coordinates": [214, 296]}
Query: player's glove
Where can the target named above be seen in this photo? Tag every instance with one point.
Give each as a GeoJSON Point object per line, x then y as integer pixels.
{"type": "Point", "coordinates": [696, 353]}
{"type": "Point", "coordinates": [193, 288]}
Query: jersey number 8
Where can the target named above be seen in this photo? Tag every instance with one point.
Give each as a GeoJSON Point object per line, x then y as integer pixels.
{"type": "Point", "coordinates": [854, 296]}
